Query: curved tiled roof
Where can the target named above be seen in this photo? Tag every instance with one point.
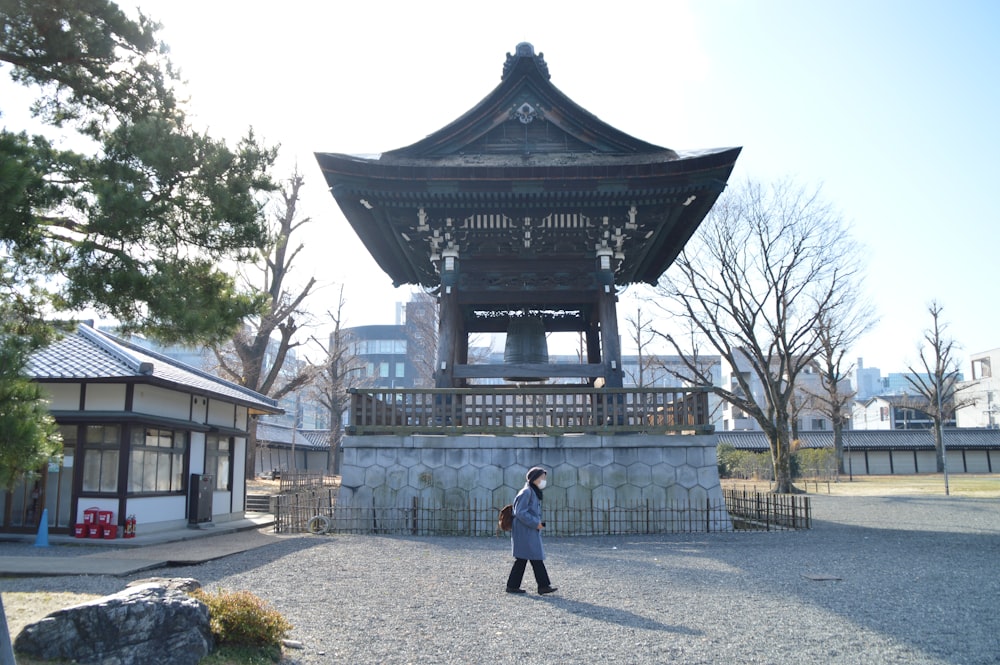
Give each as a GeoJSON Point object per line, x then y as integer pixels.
{"type": "Point", "coordinates": [966, 438]}
{"type": "Point", "coordinates": [94, 356]}
{"type": "Point", "coordinates": [281, 435]}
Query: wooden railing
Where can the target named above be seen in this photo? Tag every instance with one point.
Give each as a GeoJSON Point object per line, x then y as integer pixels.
{"type": "Point", "coordinates": [534, 410]}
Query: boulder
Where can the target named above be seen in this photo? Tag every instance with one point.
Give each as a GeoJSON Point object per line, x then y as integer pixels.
{"type": "Point", "coordinates": [179, 583]}
{"type": "Point", "coordinates": [148, 624]}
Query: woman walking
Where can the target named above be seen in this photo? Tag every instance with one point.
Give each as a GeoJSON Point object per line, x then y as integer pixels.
{"type": "Point", "coordinates": [526, 534]}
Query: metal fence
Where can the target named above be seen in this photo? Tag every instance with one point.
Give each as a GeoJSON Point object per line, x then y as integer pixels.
{"type": "Point", "coordinates": [318, 512]}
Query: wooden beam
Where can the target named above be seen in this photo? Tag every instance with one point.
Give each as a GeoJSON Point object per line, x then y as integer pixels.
{"type": "Point", "coordinates": [531, 370]}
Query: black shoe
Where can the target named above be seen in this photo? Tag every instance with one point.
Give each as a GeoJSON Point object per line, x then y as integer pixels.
{"type": "Point", "coordinates": [547, 589]}
{"type": "Point", "coordinates": [509, 590]}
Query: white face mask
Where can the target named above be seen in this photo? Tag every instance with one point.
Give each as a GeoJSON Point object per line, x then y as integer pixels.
{"type": "Point", "coordinates": [541, 484]}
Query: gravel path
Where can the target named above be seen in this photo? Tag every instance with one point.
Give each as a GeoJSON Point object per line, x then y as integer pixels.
{"type": "Point", "coordinates": [917, 581]}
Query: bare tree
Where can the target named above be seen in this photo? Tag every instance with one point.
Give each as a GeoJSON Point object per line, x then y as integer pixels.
{"type": "Point", "coordinates": [836, 337]}
{"type": "Point", "coordinates": [765, 268]}
{"type": "Point", "coordinates": [938, 383]}
{"type": "Point", "coordinates": [256, 356]}
{"type": "Point", "coordinates": [422, 337]}
{"type": "Point", "coordinates": [340, 371]}
{"type": "Point", "coordinates": [641, 332]}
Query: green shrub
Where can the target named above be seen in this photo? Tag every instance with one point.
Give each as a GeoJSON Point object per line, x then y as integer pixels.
{"type": "Point", "coordinates": [241, 618]}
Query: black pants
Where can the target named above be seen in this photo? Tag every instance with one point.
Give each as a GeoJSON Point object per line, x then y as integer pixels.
{"type": "Point", "coordinates": [517, 573]}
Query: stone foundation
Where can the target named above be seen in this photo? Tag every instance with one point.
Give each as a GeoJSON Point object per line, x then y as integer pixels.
{"type": "Point", "coordinates": [455, 472]}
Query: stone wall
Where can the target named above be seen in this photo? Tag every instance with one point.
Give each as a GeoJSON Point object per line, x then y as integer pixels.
{"type": "Point", "coordinates": [454, 472]}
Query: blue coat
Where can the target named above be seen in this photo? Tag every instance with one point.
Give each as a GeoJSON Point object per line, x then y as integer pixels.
{"type": "Point", "coordinates": [526, 539]}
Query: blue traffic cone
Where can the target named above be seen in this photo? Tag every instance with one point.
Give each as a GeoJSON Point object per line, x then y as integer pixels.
{"type": "Point", "coordinates": [42, 539]}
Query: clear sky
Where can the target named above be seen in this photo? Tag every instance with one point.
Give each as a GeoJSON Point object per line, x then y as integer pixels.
{"type": "Point", "coordinates": [891, 107]}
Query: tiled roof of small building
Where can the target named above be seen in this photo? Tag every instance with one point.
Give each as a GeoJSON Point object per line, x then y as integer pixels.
{"type": "Point", "coordinates": [92, 355]}
{"type": "Point", "coordinates": [966, 438]}
{"type": "Point", "coordinates": [270, 433]}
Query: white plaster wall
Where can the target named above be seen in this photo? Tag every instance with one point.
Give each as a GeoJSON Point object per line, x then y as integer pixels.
{"type": "Point", "coordinates": [105, 397]}
{"type": "Point", "coordinates": [224, 414]}
{"type": "Point", "coordinates": [197, 461]}
{"type": "Point", "coordinates": [878, 463]}
{"type": "Point", "coordinates": [199, 408]}
{"type": "Point", "coordinates": [160, 401]}
{"type": "Point", "coordinates": [150, 511]}
{"type": "Point", "coordinates": [62, 396]}
{"type": "Point", "coordinates": [903, 462]}
{"type": "Point", "coordinates": [976, 461]}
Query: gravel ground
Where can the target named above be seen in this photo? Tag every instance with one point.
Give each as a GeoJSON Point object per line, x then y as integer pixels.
{"type": "Point", "coordinates": [877, 580]}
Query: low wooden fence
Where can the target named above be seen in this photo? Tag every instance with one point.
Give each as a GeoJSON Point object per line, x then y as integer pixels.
{"type": "Point", "coordinates": [294, 481]}
{"type": "Point", "coordinates": [318, 513]}
{"type": "Point", "coordinates": [765, 511]}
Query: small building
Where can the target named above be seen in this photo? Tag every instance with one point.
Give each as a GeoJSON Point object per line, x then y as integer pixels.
{"type": "Point", "coordinates": [282, 448]}
{"type": "Point", "coordinates": [888, 412]}
{"type": "Point", "coordinates": [980, 396]}
{"type": "Point", "coordinates": [143, 435]}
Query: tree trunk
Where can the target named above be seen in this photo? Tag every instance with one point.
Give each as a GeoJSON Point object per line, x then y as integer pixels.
{"type": "Point", "coordinates": [781, 457]}
{"type": "Point", "coordinates": [939, 444]}
{"type": "Point", "coordinates": [838, 444]}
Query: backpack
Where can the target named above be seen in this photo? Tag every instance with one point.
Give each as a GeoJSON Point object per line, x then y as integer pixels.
{"type": "Point", "coordinates": [506, 518]}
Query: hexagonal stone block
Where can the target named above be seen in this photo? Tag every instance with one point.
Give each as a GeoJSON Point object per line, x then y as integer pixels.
{"type": "Point", "coordinates": [578, 496]}
{"type": "Point", "coordinates": [457, 458]}
{"type": "Point", "coordinates": [446, 477]}
{"type": "Point", "coordinates": [664, 474]}
{"type": "Point", "coordinates": [696, 456]}
{"type": "Point", "coordinates": [626, 456]}
{"type": "Point", "coordinates": [589, 475]}
{"type": "Point", "coordinates": [503, 457]}
{"type": "Point", "coordinates": [386, 456]}
{"type": "Point", "coordinates": [491, 477]}
{"type": "Point", "coordinates": [563, 475]}
{"type": "Point", "coordinates": [602, 456]}
{"type": "Point", "coordinates": [639, 474]}
{"type": "Point", "coordinates": [468, 478]}
{"type": "Point", "coordinates": [687, 476]}
{"type": "Point", "coordinates": [396, 477]}
{"type": "Point", "coordinates": [514, 476]}
{"type": "Point", "coordinates": [480, 457]}
{"type": "Point", "coordinates": [614, 475]}
{"type": "Point", "coordinates": [628, 495]}
{"type": "Point", "coordinates": [432, 457]}
{"type": "Point", "coordinates": [420, 477]}
{"type": "Point", "coordinates": [375, 476]}
{"type": "Point", "coordinates": [554, 496]}
{"type": "Point", "coordinates": [603, 496]}
{"type": "Point", "coordinates": [655, 494]}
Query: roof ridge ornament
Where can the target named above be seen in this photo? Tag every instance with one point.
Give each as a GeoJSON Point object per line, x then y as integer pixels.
{"type": "Point", "coordinates": [525, 50]}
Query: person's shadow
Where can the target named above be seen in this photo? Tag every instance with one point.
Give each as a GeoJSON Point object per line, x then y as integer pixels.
{"type": "Point", "coordinates": [615, 615]}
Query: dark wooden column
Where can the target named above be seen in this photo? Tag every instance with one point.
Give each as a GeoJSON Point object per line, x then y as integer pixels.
{"type": "Point", "coordinates": [610, 343]}
{"type": "Point", "coordinates": [450, 326]}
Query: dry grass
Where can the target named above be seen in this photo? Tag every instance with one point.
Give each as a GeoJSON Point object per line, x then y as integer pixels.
{"type": "Point", "coordinates": [930, 484]}
{"type": "Point", "coordinates": [25, 608]}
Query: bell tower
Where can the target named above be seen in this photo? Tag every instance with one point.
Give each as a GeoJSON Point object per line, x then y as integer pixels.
{"type": "Point", "coordinates": [526, 215]}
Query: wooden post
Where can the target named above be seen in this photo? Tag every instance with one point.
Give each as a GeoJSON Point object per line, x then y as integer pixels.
{"type": "Point", "coordinates": [610, 342]}
{"type": "Point", "coordinates": [449, 325]}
